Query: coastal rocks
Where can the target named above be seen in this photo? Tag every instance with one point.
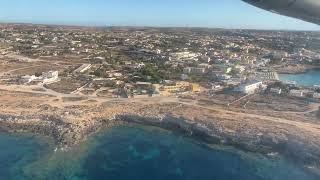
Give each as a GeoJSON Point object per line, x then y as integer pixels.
{"type": "Point", "coordinates": [294, 69]}
{"type": "Point", "coordinates": [291, 146]}
{"type": "Point", "coordinates": [187, 127]}
{"type": "Point", "coordinates": [42, 124]}
{"type": "Point", "coordinates": [8, 117]}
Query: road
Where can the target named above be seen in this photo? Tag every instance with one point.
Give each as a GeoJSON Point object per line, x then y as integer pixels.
{"type": "Point", "coordinates": [60, 96]}
{"type": "Point", "coordinates": [222, 111]}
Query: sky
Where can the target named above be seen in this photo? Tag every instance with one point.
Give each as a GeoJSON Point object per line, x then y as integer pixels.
{"type": "Point", "coordinates": [166, 13]}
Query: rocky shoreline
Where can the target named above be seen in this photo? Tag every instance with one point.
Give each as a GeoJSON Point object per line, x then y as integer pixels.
{"type": "Point", "coordinates": [64, 134]}
{"type": "Point", "coordinates": [302, 153]}
{"type": "Point", "coordinates": [295, 69]}
{"type": "Point", "coordinates": [67, 135]}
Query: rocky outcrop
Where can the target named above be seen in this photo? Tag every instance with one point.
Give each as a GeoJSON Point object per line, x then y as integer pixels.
{"type": "Point", "coordinates": [48, 125]}
{"type": "Point", "coordinates": [65, 134]}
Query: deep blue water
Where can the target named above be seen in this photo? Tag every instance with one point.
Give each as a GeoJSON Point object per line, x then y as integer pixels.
{"type": "Point", "coordinates": [310, 78]}
{"type": "Point", "coordinates": [138, 153]}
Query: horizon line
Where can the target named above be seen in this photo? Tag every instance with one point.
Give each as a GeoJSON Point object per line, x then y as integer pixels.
{"type": "Point", "coordinates": [147, 26]}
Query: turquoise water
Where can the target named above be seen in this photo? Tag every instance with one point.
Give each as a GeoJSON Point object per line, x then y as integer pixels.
{"type": "Point", "coordinates": [310, 78]}
{"type": "Point", "coordinates": [138, 153]}
{"type": "Point", "coordinates": [17, 152]}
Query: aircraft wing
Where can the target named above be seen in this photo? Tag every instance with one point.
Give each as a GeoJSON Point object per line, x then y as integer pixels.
{"type": "Point", "coordinates": [307, 10]}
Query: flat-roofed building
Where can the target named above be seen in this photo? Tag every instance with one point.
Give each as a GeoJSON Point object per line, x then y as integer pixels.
{"type": "Point", "coordinates": [28, 79]}
{"type": "Point", "coordinates": [250, 87]}
{"type": "Point", "coordinates": [296, 93]}
{"type": "Point", "coordinates": [316, 95]}
{"type": "Point", "coordinates": [194, 70]}
{"type": "Point", "coordinates": [83, 68]}
{"type": "Point", "coordinates": [276, 90]}
{"type": "Point", "coordinates": [50, 77]}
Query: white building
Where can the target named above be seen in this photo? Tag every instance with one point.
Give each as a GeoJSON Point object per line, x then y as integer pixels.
{"type": "Point", "coordinates": [251, 87]}
{"type": "Point", "coordinates": [205, 65]}
{"type": "Point", "coordinates": [296, 93]}
{"type": "Point", "coordinates": [239, 68]}
{"type": "Point", "coordinates": [141, 65]}
{"type": "Point", "coordinates": [276, 90]}
{"type": "Point", "coordinates": [269, 76]}
{"type": "Point", "coordinates": [184, 77]}
{"type": "Point", "coordinates": [316, 95]}
{"type": "Point", "coordinates": [158, 51]}
{"type": "Point", "coordinates": [117, 75]}
{"type": "Point", "coordinates": [50, 77]}
{"type": "Point", "coordinates": [224, 77]}
{"type": "Point", "coordinates": [28, 79]}
{"type": "Point", "coordinates": [46, 78]}
{"type": "Point", "coordinates": [194, 70]}
{"type": "Point", "coordinates": [228, 70]}
{"type": "Point", "coordinates": [83, 68]}
{"type": "Point", "coordinates": [184, 55]}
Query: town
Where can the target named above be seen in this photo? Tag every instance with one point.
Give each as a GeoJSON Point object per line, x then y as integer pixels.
{"type": "Point", "coordinates": [119, 62]}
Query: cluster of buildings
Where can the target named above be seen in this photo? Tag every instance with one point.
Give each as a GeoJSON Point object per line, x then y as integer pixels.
{"type": "Point", "coordinates": [181, 87]}
{"type": "Point", "coordinates": [46, 78]}
{"type": "Point", "coordinates": [133, 58]}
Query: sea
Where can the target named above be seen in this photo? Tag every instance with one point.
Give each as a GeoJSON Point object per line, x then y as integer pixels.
{"type": "Point", "coordinates": [138, 153]}
{"type": "Point", "coordinates": [309, 78]}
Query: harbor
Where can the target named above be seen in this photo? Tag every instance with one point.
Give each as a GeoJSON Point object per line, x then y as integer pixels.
{"type": "Point", "coordinates": [310, 78]}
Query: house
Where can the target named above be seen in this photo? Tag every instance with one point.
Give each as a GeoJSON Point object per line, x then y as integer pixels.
{"type": "Point", "coordinates": [184, 77]}
{"type": "Point", "coordinates": [276, 90]}
{"type": "Point", "coordinates": [223, 76]}
{"type": "Point", "coordinates": [239, 68]}
{"type": "Point", "coordinates": [177, 87]}
{"type": "Point", "coordinates": [266, 76]}
{"type": "Point", "coordinates": [184, 55]}
{"type": "Point", "coordinates": [83, 68]}
{"type": "Point", "coordinates": [250, 87]}
{"type": "Point", "coordinates": [228, 70]}
{"type": "Point", "coordinates": [194, 70]}
{"type": "Point", "coordinates": [316, 95]}
{"type": "Point", "coordinates": [143, 84]}
{"type": "Point", "coordinates": [28, 79]}
{"type": "Point", "coordinates": [140, 66]}
{"type": "Point", "coordinates": [50, 77]}
{"type": "Point", "coordinates": [115, 75]}
{"type": "Point", "coordinates": [205, 65]}
{"type": "Point", "coordinates": [296, 93]}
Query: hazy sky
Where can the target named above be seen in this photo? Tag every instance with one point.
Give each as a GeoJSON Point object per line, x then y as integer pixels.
{"type": "Point", "coordinates": [199, 13]}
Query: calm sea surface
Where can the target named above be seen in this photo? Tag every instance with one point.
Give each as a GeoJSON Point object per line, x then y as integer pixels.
{"type": "Point", "coordinates": [138, 153]}
{"type": "Point", "coordinates": [310, 78]}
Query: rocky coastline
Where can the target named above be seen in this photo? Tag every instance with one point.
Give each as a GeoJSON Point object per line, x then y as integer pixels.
{"type": "Point", "coordinates": [66, 135]}
{"type": "Point", "coordinates": [292, 148]}
{"type": "Point", "coordinates": [295, 69]}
